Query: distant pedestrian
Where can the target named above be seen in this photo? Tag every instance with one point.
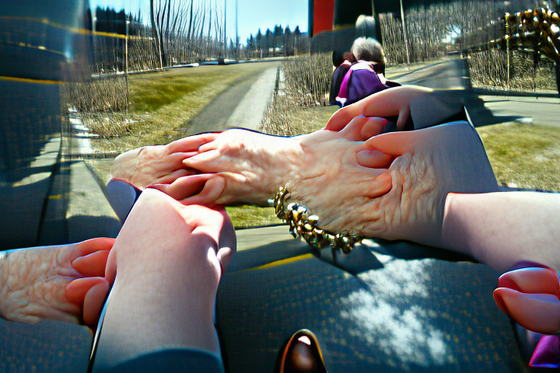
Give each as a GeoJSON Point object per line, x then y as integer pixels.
{"type": "Point", "coordinates": [367, 75]}
{"type": "Point", "coordinates": [341, 63]}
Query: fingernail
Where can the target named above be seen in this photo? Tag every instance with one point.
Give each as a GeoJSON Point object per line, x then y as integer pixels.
{"type": "Point", "coordinates": [531, 280]}
{"type": "Point", "coordinates": [547, 353]}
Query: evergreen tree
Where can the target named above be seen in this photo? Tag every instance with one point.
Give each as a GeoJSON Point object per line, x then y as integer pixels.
{"type": "Point", "coordinates": [297, 41]}
{"type": "Point", "coordinates": [258, 41]}
{"type": "Point", "coordinates": [278, 36]}
{"type": "Point", "coordinates": [288, 42]}
{"type": "Point", "coordinates": [250, 46]}
{"type": "Point", "coordinates": [268, 42]}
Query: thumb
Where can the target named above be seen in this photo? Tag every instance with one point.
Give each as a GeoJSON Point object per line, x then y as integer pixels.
{"type": "Point", "coordinates": [531, 280]}
{"type": "Point", "coordinates": [212, 191]}
{"type": "Point", "coordinates": [184, 187]}
{"type": "Point", "coordinates": [89, 294]}
{"type": "Point", "coordinates": [228, 242]}
{"type": "Point", "coordinates": [394, 143]}
{"type": "Point", "coordinates": [93, 303]}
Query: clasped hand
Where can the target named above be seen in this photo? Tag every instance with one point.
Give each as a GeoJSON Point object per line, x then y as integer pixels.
{"type": "Point", "coordinates": [390, 186]}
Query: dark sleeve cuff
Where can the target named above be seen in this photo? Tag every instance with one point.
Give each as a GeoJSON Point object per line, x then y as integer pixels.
{"type": "Point", "coordinates": [437, 107]}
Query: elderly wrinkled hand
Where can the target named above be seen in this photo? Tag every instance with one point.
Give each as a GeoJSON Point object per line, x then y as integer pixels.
{"type": "Point", "coordinates": [320, 168]}
{"type": "Point", "coordinates": [241, 166]}
{"type": "Point", "coordinates": [150, 164]}
{"type": "Point", "coordinates": [428, 164]}
{"type": "Point", "coordinates": [53, 282]}
{"type": "Point", "coordinates": [391, 186]}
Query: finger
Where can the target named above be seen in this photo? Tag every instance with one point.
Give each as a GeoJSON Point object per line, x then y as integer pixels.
{"type": "Point", "coordinates": [168, 179]}
{"type": "Point", "coordinates": [404, 115]}
{"type": "Point", "coordinates": [211, 193]}
{"type": "Point", "coordinates": [373, 158]}
{"type": "Point", "coordinates": [531, 280]}
{"type": "Point", "coordinates": [111, 269]}
{"type": "Point", "coordinates": [191, 143]}
{"type": "Point", "coordinates": [183, 187]}
{"type": "Point", "coordinates": [95, 244]}
{"type": "Point", "coordinates": [342, 117]}
{"type": "Point", "coordinates": [537, 312]}
{"type": "Point", "coordinates": [174, 161]}
{"type": "Point", "coordinates": [394, 143]}
{"type": "Point", "coordinates": [373, 127]}
{"type": "Point", "coordinates": [76, 290]}
{"type": "Point", "coordinates": [92, 264]}
{"type": "Point", "coordinates": [93, 303]}
{"type": "Point", "coordinates": [353, 130]}
{"type": "Point", "coordinates": [379, 185]}
{"type": "Point", "coordinates": [205, 161]}
{"type": "Point", "coordinates": [391, 102]}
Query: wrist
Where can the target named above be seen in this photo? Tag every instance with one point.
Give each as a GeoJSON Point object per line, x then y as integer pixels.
{"type": "Point", "coordinates": [291, 161]}
{"type": "Point", "coordinates": [454, 230]}
{"type": "Point", "coordinates": [126, 164]}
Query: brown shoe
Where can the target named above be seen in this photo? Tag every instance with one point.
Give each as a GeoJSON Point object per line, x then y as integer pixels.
{"type": "Point", "coordinates": [302, 354]}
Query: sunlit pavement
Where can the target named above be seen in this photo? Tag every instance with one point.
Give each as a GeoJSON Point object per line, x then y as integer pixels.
{"type": "Point", "coordinates": [528, 110]}
{"type": "Point", "coordinates": [249, 112]}
{"type": "Point", "coordinates": [485, 106]}
{"type": "Point", "coordinates": [242, 105]}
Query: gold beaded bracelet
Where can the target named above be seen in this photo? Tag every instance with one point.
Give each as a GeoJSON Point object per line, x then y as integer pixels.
{"type": "Point", "coordinates": [306, 226]}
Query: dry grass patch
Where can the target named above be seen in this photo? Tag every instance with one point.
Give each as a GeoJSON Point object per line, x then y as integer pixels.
{"type": "Point", "coordinates": [165, 102]}
{"type": "Point", "coordinates": [488, 69]}
{"type": "Point", "coordinates": [282, 118]}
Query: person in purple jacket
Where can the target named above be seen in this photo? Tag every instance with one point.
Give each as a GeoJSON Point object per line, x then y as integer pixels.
{"type": "Point", "coordinates": [367, 75]}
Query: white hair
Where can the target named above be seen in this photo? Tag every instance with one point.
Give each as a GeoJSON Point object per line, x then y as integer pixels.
{"type": "Point", "coordinates": [368, 49]}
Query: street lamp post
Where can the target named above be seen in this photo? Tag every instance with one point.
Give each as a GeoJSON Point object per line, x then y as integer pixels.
{"type": "Point", "coordinates": [404, 35]}
{"type": "Point", "coordinates": [225, 24]}
{"type": "Point", "coordinates": [236, 34]}
{"type": "Point", "coordinates": [126, 61]}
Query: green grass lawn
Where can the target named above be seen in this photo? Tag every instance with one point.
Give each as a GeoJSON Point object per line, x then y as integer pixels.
{"type": "Point", "coordinates": [524, 156]}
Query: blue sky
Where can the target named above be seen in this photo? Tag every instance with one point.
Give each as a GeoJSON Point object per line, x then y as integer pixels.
{"type": "Point", "coordinates": [263, 14]}
{"type": "Point", "coordinates": [252, 14]}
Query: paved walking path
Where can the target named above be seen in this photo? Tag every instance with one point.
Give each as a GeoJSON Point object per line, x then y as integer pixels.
{"type": "Point", "coordinates": [242, 105]}
{"type": "Point", "coordinates": [250, 110]}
